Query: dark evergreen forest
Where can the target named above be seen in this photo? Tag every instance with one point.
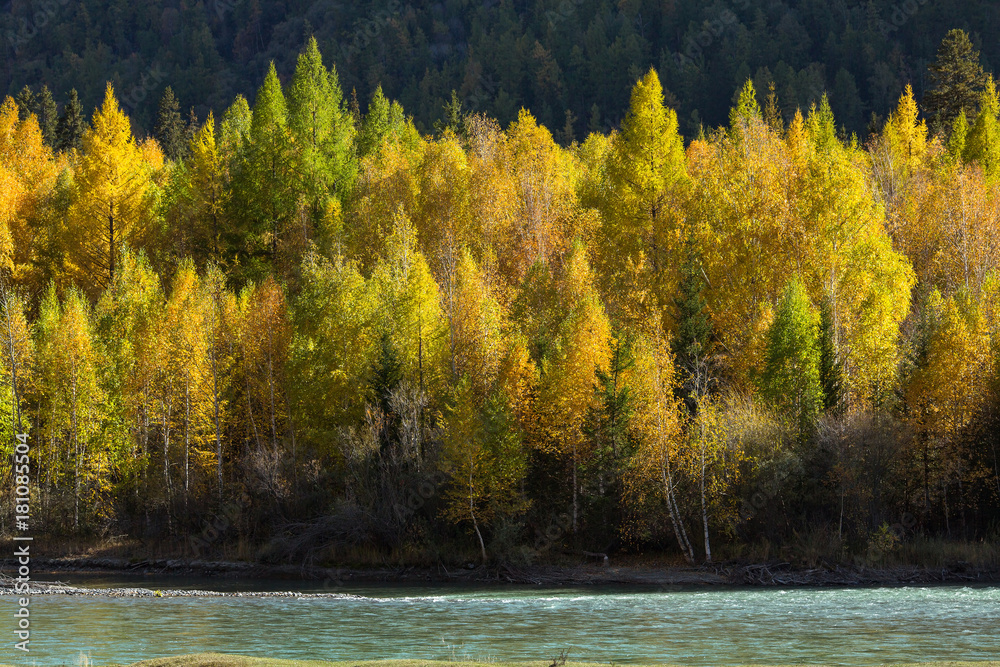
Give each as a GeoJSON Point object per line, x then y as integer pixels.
{"type": "Point", "coordinates": [570, 62]}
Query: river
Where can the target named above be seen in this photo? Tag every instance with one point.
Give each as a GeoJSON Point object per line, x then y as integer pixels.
{"type": "Point", "coordinates": [702, 626]}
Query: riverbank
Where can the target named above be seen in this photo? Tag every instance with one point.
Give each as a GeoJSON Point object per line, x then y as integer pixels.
{"type": "Point", "coordinates": [330, 579]}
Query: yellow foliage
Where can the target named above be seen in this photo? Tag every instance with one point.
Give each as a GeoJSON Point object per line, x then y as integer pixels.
{"type": "Point", "coordinates": [110, 205]}
{"type": "Point", "coordinates": [27, 173]}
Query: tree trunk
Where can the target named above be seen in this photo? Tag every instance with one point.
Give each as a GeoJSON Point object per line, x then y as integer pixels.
{"type": "Point", "coordinates": [218, 437]}
{"type": "Point", "coordinates": [12, 353]}
{"type": "Point", "coordinates": [575, 490]}
{"type": "Point", "coordinates": [166, 457]}
{"type": "Point", "coordinates": [270, 384]}
{"type": "Point", "coordinates": [187, 442]}
{"type": "Point", "coordinates": [475, 523]}
{"type": "Point", "coordinates": [676, 520]}
{"type": "Point", "coordinates": [76, 455]}
{"type": "Point", "coordinates": [704, 505]}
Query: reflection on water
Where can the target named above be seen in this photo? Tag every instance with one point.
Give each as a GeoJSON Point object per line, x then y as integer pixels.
{"type": "Point", "coordinates": [694, 627]}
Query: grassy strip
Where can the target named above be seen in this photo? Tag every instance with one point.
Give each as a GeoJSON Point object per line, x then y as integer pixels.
{"type": "Point", "coordinates": [223, 660]}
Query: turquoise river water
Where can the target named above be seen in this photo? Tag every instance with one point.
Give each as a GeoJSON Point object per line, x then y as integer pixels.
{"type": "Point", "coordinates": [703, 626]}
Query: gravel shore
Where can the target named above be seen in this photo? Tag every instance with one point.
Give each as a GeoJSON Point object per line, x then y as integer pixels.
{"type": "Point", "coordinates": [57, 588]}
{"type": "Point", "coordinates": [731, 574]}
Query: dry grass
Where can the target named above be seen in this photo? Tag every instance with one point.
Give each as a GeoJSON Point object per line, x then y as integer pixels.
{"type": "Point", "coordinates": [223, 660]}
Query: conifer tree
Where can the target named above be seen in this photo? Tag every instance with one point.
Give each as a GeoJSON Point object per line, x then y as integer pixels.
{"type": "Point", "coordinates": [644, 169]}
{"type": "Point", "coordinates": [169, 129]}
{"type": "Point", "coordinates": [959, 137]}
{"type": "Point", "coordinates": [263, 194]}
{"type": "Point", "coordinates": [747, 108]}
{"type": "Point", "coordinates": [690, 345]}
{"type": "Point", "coordinates": [452, 116]}
{"type": "Point", "coordinates": [48, 115]}
{"type": "Point", "coordinates": [957, 81]}
{"type": "Point", "coordinates": [26, 103]}
{"type": "Point", "coordinates": [983, 142]}
{"type": "Point", "coordinates": [208, 181]}
{"type": "Point", "coordinates": [322, 128]}
{"type": "Point", "coordinates": [69, 128]}
{"type": "Point", "coordinates": [382, 120]}
{"type": "Point", "coordinates": [791, 376]}
{"type": "Point", "coordinates": [109, 205]}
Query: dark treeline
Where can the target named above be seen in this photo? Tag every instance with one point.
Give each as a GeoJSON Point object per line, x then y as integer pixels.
{"type": "Point", "coordinates": [570, 62]}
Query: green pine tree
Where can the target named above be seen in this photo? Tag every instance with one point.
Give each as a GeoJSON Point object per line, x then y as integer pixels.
{"type": "Point", "coordinates": [453, 116]}
{"type": "Point", "coordinates": [323, 130]}
{"type": "Point", "coordinates": [26, 103]}
{"type": "Point", "coordinates": [694, 331]}
{"type": "Point", "coordinates": [983, 142]}
{"type": "Point", "coordinates": [48, 115]}
{"type": "Point", "coordinates": [382, 120]}
{"type": "Point", "coordinates": [263, 194]}
{"type": "Point", "coordinates": [169, 128]}
{"type": "Point", "coordinates": [610, 422]}
{"type": "Point", "coordinates": [609, 426]}
{"type": "Point", "coordinates": [191, 129]}
{"type": "Point", "coordinates": [387, 373]}
{"type": "Point", "coordinates": [791, 377]}
{"type": "Point", "coordinates": [746, 108]}
{"type": "Point", "coordinates": [957, 80]}
{"type": "Point", "coordinates": [69, 128]}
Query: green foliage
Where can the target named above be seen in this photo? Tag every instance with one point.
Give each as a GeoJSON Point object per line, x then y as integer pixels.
{"type": "Point", "coordinates": [959, 137]}
{"type": "Point", "coordinates": [610, 419]}
{"type": "Point", "coordinates": [690, 345]}
{"type": "Point", "coordinates": [453, 116]}
{"type": "Point", "coordinates": [585, 60]}
{"type": "Point", "coordinates": [983, 143]}
{"type": "Point", "coordinates": [169, 129]}
{"type": "Point", "coordinates": [48, 115]}
{"type": "Point", "coordinates": [25, 103]}
{"type": "Point", "coordinates": [957, 79]}
{"type": "Point", "coordinates": [69, 128]}
{"type": "Point", "coordinates": [747, 108]}
{"type": "Point", "coordinates": [263, 193]}
{"type": "Point", "coordinates": [483, 453]}
{"type": "Point", "coordinates": [383, 120]}
{"type": "Point", "coordinates": [323, 130]}
{"type": "Point", "coordinates": [387, 373]}
{"type": "Point", "coordinates": [791, 377]}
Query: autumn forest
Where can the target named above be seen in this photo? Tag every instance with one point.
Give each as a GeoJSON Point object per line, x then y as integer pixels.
{"type": "Point", "coordinates": [358, 341]}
